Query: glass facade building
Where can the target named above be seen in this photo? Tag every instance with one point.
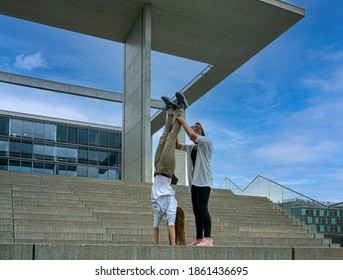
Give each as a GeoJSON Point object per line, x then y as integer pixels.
{"type": "Point", "coordinates": [326, 220]}
{"type": "Point", "coordinates": [31, 143]}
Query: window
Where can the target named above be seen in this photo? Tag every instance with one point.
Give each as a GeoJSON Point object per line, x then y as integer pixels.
{"type": "Point", "coordinates": [119, 158]}
{"type": "Point", "coordinates": [83, 155]}
{"type": "Point", "coordinates": [71, 154]}
{"type": "Point", "coordinates": [61, 169]}
{"type": "Point", "coordinates": [27, 129]}
{"type": "Point", "coordinates": [4, 148]}
{"type": "Point", "coordinates": [72, 135]}
{"type": "Point", "coordinates": [115, 141]}
{"type": "Point", "coordinates": [26, 149]}
{"type": "Point", "coordinates": [61, 153]}
{"type": "Point", "coordinates": [3, 164]}
{"type": "Point", "coordinates": [26, 166]}
{"type": "Point", "coordinates": [93, 156]}
{"type": "Point", "coordinates": [4, 125]}
{"type": "Point", "coordinates": [103, 173]}
{"type": "Point", "coordinates": [113, 158]}
{"type": "Point", "coordinates": [93, 137]}
{"type": "Point", "coordinates": [50, 132]}
{"type": "Point", "coordinates": [49, 152]}
{"type": "Point", "coordinates": [38, 151]}
{"type": "Point", "coordinates": [16, 127]}
{"type": "Point", "coordinates": [321, 228]}
{"type": "Point", "coordinates": [83, 136]}
{"type": "Point", "coordinates": [49, 168]}
{"type": "Point", "coordinates": [113, 174]}
{"type": "Point", "coordinates": [39, 130]}
{"type": "Point", "coordinates": [71, 170]}
{"type": "Point", "coordinates": [93, 171]}
{"type": "Point", "coordinates": [15, 148]}
{"type": "Point", "coordinates": [14, 165]}
{"type": "Point", "coordinates": [104, 138]}
{"type": "Point", "coordinates": [38, 167]}
{"type": "Point", "coordinates": [82, 170]}
{"type": "Point", "coordinates": [62, 133]}
{"type": "Point", "coordinates": [103, 157]}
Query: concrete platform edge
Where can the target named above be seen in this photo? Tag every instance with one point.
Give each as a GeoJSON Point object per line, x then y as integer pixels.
{"type": "Point", "coordinates": [134, 252]}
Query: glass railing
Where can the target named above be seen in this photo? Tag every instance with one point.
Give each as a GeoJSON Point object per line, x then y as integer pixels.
{"type": "Point", "coordinates": [275, 192]}
{"type": "Point", "coordinates": [325, 217]}
{"type": "Point", "coordinates": [337, 205]}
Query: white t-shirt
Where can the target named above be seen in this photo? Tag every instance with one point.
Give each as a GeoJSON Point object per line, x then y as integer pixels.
{"type": "Point", "coordinates": [163, 200]}
{"type": "Point", "coordinates": [201, 175]}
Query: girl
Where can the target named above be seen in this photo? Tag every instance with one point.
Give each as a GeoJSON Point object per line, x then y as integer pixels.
{"type": "Point", "coordinates": [162, 194]}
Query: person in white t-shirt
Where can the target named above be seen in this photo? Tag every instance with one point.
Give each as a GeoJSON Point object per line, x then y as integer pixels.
{"type": "Point", "coordinates": [200, 178]}
{"type": "Point", "coordinates": [163, 199]}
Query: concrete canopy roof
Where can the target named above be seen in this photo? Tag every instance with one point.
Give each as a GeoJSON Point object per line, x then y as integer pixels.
{"type": "Point", "coordinates": [222, 33]}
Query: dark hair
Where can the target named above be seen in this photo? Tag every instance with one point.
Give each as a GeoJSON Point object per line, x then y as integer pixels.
{"type": "Point", "coordinates": [199, 126]}
{"type": "Point", "coordinates": [180, 236]}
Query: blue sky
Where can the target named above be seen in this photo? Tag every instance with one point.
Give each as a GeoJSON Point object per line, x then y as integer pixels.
{"type": "Point", "coordinates": [280, 115]}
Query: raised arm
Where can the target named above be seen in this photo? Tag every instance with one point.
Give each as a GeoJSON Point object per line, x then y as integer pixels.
{"type": "Point", "coordinates": [190, 132]}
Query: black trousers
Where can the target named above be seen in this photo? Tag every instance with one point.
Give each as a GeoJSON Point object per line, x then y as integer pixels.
{"type": "Point", "coordinates": [203, 222]}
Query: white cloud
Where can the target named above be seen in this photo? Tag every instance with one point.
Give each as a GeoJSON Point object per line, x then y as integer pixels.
{"type": "Point", "coordinates": [14, 103]}
{"type": "Point", "coordinates": [334, 56]}
{"type": "Point", "coordinates": [31, 61]}
{"type": "Point", "coordinates": [323, 115]}
{"type": "Point", "coordinates": [59, 105]}
{"type": "Point", "coordinates": [294, 152]}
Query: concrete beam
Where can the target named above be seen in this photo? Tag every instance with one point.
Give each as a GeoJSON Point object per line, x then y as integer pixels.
{"type": "Point", "coordinates": [26, 81]}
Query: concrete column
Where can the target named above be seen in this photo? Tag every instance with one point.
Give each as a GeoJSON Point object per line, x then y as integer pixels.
{"type": "Point", "coordinates": [137, 143]}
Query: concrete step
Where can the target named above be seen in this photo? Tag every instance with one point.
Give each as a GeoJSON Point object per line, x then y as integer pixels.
{"type": "Point", "coordinates": [6, 234]}
{"type": "Point", "coordinates": [24, 203]}
{"type": "Point", "coordinates": [5, 215]}
{"type": "Point", "coordinates": [73, 210]}
{"type": "Point", "coordinates": [61, 223]}
{"type": "Point", "coordinates": [54, 217]}
{"type": "Point", "coordinates": [58, 229]}
{"type": "Point", "coordinates": [62, 236]}
{"type": "Point", "coordinates": [76, 211]}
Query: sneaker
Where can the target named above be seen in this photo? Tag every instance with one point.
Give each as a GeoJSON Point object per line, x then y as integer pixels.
{"type": "Point", "coordinates": [195, 242]}
{"type": "Point", "coordinates": [169, 103]}
{"type": "Point", "coordinates": [206, 242]}
{"type": "Point", "coordinates": [181, 100]}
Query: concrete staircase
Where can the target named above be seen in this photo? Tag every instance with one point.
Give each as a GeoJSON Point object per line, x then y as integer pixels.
{"type": "Point", "coordinates": [49, 209]}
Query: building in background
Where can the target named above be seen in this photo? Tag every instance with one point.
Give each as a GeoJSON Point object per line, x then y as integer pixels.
{"type": "Point", "coordinates": [327, 220]}
{"type": "Point", "coordinates": [37, 144]}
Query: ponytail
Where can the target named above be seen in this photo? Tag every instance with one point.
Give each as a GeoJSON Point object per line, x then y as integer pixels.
{"type": "Point", "coordinates": [180, 236]}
